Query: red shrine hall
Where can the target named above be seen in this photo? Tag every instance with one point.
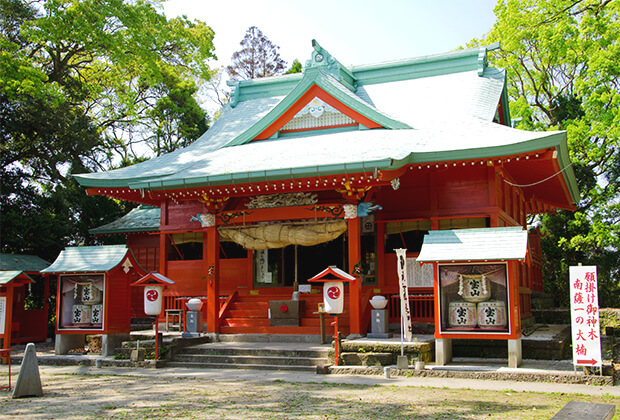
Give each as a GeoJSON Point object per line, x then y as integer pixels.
{"type": "Point", "coordinates": [339, 166]}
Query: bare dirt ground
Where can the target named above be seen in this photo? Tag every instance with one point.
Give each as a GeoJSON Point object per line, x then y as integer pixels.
{"type": "Point", "coordinates": [70, 396]}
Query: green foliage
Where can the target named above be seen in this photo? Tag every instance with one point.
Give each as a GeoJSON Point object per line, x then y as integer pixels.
{"type": "Point", "coordinates": [296, 67]}
{"type": "Point", "coordinates": [561, 59]}
{"type": "Point", "coordinates": [86, 85]}
{"type": "Point", "coordinates": [177, 118]}
{"type": "Point", "coordinates": [609, 318]}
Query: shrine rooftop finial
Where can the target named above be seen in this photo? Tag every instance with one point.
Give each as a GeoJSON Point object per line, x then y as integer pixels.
{"type": "Point", "coordinates": [322, 59]}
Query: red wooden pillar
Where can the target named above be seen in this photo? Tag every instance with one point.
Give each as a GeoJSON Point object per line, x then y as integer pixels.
{"type": "Point", "coordinates": [163, 241]}
{"type": "Point", "coordinates": [355, 287]}
{"type": "Point", "coordinates": [211, 254]}
{"type": "Point", "coordinates": [513, 280]}
{"type": "Point", "coordinates": [46, 297]}
{"type": "Point", "coordinates": [493, 193]}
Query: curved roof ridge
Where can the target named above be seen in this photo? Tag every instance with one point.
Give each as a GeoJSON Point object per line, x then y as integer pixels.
{"type": "Point", "coordinates": [328, 83]}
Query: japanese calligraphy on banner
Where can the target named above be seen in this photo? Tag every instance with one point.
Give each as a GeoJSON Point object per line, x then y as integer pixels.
{"type": "Point", "coordinates": [2, 313]}
{"type": "Point", "coordinates": [585, 325]}
{"type": "Point", "coordinates": [405, 310]}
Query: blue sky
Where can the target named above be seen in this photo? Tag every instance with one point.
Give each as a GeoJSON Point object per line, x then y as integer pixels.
{"type": "Point", "coordinates": [355, 32]}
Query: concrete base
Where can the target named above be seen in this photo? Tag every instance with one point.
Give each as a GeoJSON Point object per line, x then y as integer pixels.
{"type": "Point", "coordinates": [194, 321]}
{"type": "Point", "coordinates": [111, 342]}
{"type": "Point", "coordinates": [514, 353]}
{"type": "Point", "coordinates": [380, 335]}
{"type": "Point", "coordinates": [191, 335]}
{"type": "Point", "coordinates": [402, 362]}
{"type": "Point", "coordinates": [137, 355]}
{"type": "Point", "coordinates": [379, 321]}
{"type": "Point", "coordinates": [66, 342]}
{"type": "Point", "coordinates": [443, 351]}
{"type": "Point", "coordinates": [354, 336]}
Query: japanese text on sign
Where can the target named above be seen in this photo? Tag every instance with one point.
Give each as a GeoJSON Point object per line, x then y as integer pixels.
{"type": "Point", "coordinates": [405, 310]}
{"type": "Point", "coordinates": [2, 313]}
{"type": "Point", "coordinates": [585, 325]}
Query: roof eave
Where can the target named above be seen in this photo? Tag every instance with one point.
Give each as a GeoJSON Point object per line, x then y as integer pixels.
{"type": "Point", "coordinates": [267, 175]}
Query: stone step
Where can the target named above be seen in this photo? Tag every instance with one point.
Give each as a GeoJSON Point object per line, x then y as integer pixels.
{"type": "Point", "coordinates": [272, 338]}
{"type": "Point", "coordinates": [226, 361]}
{"type": "Point", "coordinates": [241, 366]}
{"type": "Point", "coordinates": [267, 330]}
{"type": "Point", "coordinates": [258, 352]}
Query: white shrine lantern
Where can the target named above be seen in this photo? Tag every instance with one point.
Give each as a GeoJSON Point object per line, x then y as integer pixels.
{"type": "Point", "coordinates": [152, 299]}
{"type": "Point", "coordinates": [333, 296]}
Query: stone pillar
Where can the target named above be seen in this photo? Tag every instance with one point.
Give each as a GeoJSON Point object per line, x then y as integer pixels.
{"type": "Point", "coordinates": [443, 351]}
{"type": "Point", "coordinates": [514, 353]}
{"type": "Point", "coordinates": [379, 324]}
{"type": "Point", "coordinates": [29, 379]}
{"type": "Point", "coordinates": [66, 342]}
{"type": "Point", "coordinates": [111, 342]}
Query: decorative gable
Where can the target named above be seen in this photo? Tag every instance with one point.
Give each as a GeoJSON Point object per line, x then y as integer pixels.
{"type": "Point", "coordinates": [316, 115]}
{"type": "Point", "coordinates": [323, 98]}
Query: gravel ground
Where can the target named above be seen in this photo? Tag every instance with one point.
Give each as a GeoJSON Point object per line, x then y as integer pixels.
{"type": "Point", "coordinates": [116, 393]}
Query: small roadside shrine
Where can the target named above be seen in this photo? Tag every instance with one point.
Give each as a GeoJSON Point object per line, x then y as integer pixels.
{"type": "Point", "coordinates": [20, 280]}
{"type": "Point", "coordinates": [477, 286]}
{"type": "Point", "coordinates": [94, 295]}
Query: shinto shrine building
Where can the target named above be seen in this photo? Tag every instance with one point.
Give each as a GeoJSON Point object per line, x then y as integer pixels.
{"type": "Point", "coordinates": [340, 166]}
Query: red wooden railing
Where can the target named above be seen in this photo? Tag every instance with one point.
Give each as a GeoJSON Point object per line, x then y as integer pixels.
{"type": "Point", "coordinates": [535, 267]}
{"type": "Point", "coordinates": [422, 307]}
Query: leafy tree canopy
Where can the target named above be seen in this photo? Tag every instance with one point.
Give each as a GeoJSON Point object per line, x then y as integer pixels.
{"type": "Point", "coordinates": [296, 67]}
{"type": "Point", "coordinates": [562, 62]}
{"type": "Point", "coordinates": [85, 85]}
{"type": "Point", "coordinates": [110, 61]}
{"type": "Point", "coordinates": [259, 57]}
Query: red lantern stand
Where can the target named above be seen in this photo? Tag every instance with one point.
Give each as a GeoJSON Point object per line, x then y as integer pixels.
{"type": "Point", "coordinates": [333, 297]}
{"type": "Point", "coordinates": [154, 283]}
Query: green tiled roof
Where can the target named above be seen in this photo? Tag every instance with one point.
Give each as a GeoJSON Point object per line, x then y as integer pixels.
{"type": "Point", "coordinates": [7, 276]}
{"type": "Point", "coordinates": [508, 243]}
{"type": "Point", "coordinates": [330, 85]}
{"type": "Point", "coordinates": [21, 262]}
{"type": "Point", "coordinates": [140, 219]}
{"type": "Point", "coordinates": [88, 259]}
{"type": "Point", "coordinates": [434, 109]}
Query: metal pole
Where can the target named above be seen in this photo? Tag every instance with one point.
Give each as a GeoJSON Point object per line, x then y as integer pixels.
{"type": "Point", "coordinates": [156, 340]}
{"type": "Point", "coordinates": [336, 343]}
{"type": "Point", "coordinates": [402, 332]}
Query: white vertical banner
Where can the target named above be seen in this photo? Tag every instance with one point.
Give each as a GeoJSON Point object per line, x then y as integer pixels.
{"type": "Point", "coordinates": [2, 313]}
{"type": "Point", "coordinates": [263, 274]}
{"type": "Point", "coordinates": [585, 324]}
{"type": "Point", "coordinates": [405, 310]}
